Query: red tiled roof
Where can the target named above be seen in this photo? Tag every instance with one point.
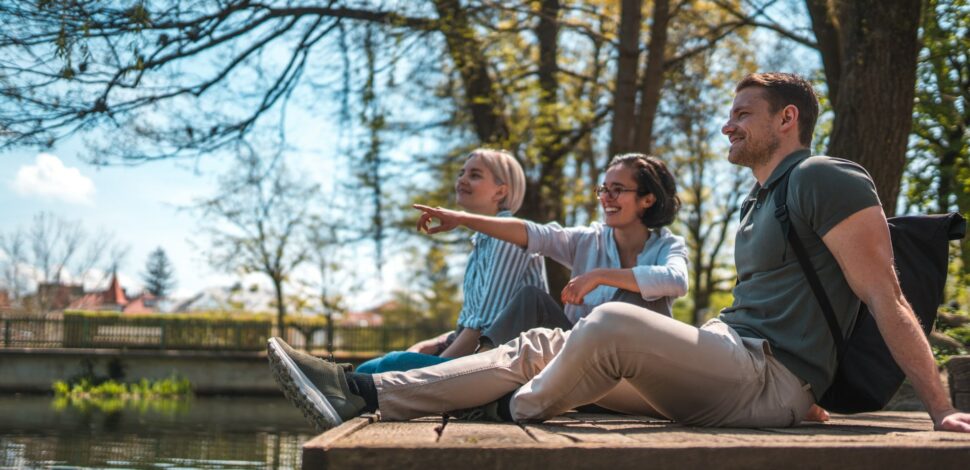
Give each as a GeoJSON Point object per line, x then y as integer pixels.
{"type": "Point", "coordinates": [91, 301]}
{"type": "Point", "coordinates": [115, 294]}
{"type": "Point", "coordinates": [140, 304]}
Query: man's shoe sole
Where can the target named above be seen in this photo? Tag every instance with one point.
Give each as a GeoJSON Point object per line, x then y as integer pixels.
{"type": "Point", "coordinates": [299, 390]}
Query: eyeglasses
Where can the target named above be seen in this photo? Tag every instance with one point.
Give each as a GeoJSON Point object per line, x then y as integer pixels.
{"type": "Point", "coordinates": [612, 193]}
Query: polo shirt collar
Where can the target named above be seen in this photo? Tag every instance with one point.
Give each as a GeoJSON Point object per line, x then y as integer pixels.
{"type": "Point", "coordinates": [791, 160]}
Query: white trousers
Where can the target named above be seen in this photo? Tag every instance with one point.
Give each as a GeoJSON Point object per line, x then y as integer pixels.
{"type": "Point", "coordinates": [620, 357]}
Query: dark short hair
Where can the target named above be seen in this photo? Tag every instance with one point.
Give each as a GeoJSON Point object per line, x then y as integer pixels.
{"type": "Point", "coordinates": [783, 89]}
{"type": "Point", "coordinates": [652, 177]}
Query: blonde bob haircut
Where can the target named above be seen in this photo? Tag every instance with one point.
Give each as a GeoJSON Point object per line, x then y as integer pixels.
{"type": "Point", "coordinates": [506, 170]}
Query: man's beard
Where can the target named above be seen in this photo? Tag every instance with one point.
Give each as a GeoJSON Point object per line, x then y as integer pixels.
{"type": "Point", "coordinates": [755, 153]}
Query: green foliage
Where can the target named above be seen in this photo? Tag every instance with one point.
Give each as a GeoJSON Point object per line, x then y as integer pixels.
{"type": "Point", "coordinates": [937, 176]}
{"type": "Point", "coordinates": [433, 300]}
{"type": "Point", "coordinates": [171, 331]}
{"type": "Point", "coordinates": [960, 333]}
{"type": "Point", "coordinates": [88, 388]}
{"type": "Point", "coordinates": [683, 309]}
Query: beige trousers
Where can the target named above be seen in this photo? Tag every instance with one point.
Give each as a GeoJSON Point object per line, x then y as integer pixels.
{"type": "Point", "coordinates": [621, 357]}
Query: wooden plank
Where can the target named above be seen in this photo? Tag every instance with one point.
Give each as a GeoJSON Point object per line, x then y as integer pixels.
{"type": "Point", "coordinates": [620, 458]}
{"type": "Point", "coordinates": [478, 434]}
{"type": "Point", "coordinates": [315, 450]}
{"type": "Point", "coordinates": [580, 428]}
{"type": "Point", "coordinates": [876, 441]}
{"type": "Point", "coordinates": [542, 435]}
{"type": "Point", "coordinates": [339, 432]}
{"type": "Point", "coordinates": [393, 434]}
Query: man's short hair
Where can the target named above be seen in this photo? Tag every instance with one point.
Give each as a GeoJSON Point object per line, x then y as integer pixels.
{"type": "Point", "coordinates": [783, 89]}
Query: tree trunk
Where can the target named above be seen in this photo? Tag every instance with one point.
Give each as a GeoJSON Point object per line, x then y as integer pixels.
{"type": "Point", "coordinates": [827, 37]}
{"type": "Point", "coordinates": [653, 77]}
{"type": "Point", "coordinates": [551, 187]}
{"type": "Point", "coordinates": [701, 294]}
{"type": "Point", "coordinates": [280, 306]}
{"type": "Point", "coordinates": [466, 51]}
{"type": "Point", "coordinates": [625, 94]}
{"type": "Point", "coordinates": [876, 79]}
{"type": "Point", "coordinates": [550, 146]}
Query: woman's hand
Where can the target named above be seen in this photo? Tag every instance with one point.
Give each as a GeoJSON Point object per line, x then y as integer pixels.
{"type": "Point", "coordinates": [448, 219]}
{"type": "Point", "coordinates": [579, 286]}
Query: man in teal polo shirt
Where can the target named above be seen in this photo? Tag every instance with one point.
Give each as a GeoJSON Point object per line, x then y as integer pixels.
{"type": "Point", "coordinates": [763, 362]}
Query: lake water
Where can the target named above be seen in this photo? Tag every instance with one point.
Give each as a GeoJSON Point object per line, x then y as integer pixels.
{"type": "Point", "coordinates": [200, 432]}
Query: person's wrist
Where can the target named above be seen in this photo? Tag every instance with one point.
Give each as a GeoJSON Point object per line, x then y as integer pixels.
{"type": "Point", "coordinates": [940, 413]}
{"type": "Point", "coordinates": [461, 218]}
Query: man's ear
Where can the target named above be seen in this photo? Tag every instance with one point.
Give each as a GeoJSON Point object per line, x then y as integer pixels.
{"type": "Point", "coordinates": [789, 118]}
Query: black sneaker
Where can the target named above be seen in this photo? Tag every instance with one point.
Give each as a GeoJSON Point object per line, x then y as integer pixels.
{"type": "Point", "coordinates": [315, 386]}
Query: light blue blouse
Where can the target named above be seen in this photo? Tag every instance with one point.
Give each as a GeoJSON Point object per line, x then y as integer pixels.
{"type": "Point", "coordinates": [661, 269]}
{"type": "Point", "coordinates": [496, 271]}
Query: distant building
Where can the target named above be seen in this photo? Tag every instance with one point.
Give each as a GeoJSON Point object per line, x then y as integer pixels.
{"type": "Point", "coordinates": [57, 296]}
{"type": "Point", "coordinates": [369, 318]}
{"type": "Point", "coordinates": [114, 299]}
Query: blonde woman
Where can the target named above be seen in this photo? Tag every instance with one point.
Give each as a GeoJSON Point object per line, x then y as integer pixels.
{"type": "Point", "coordinates": [491, 183]}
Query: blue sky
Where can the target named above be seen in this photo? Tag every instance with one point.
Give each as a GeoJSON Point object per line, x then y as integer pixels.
{"type": "Point", "coordinates": [144, 205]}
{"type": "Point", "coordinates": [139, 204]}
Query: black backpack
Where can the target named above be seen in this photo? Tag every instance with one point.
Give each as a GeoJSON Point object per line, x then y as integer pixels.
{"type": "Point", "coordinates": [867, 377]}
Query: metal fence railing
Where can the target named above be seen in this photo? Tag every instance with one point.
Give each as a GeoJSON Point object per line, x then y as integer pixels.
{"type": "Point", "coordinates": [228, 335]}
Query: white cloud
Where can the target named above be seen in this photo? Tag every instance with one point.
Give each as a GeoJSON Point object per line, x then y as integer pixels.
{"type": "Point", "coordinates": [49, 178]}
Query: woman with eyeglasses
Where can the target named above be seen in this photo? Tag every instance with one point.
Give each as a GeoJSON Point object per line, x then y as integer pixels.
{"type": "Point", "coordinates": [490, 184]}
{"type": "Point", "coordinates": [630, 257]}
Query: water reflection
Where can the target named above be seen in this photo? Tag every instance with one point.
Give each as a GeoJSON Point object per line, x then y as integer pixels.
{"type": "Point", "coordinates": [39, 432]}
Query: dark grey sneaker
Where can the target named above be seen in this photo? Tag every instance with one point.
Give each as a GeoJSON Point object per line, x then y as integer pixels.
{"type": "Point", "coordinates": [486, 412]}
{"type": "Point", "coordinates": [315, 386]}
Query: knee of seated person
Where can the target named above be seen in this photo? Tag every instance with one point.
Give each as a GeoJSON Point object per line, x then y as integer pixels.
{"type": "Point", "coordinates": [616, 316]}
{"type": "Point", "coordinates": [528, 292]}
{"type": "Point", "coordinates": [370, 367]}
{"type": "Point", "coordinates": [392, 359]}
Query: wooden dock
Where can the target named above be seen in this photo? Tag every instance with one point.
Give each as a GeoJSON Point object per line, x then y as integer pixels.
{"type": "Point", "coordinates": [896, 440]}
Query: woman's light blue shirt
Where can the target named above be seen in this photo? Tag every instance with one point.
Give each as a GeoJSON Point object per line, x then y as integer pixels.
{"type": "Point", "coordinates": [661, 269]}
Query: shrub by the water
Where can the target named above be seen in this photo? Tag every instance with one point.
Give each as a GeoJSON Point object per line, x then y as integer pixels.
{"type": "Point", "coordinates": [170, 387]}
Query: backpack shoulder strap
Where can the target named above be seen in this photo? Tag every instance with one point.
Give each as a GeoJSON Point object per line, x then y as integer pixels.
{"type": "Point", "coordinates": [781, 213]}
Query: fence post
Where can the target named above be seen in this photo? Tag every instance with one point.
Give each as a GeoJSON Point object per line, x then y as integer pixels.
{"type": "Point", "coordinates": [85, 331]}
{"type": "Point", "coordinates": [6, 332]}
